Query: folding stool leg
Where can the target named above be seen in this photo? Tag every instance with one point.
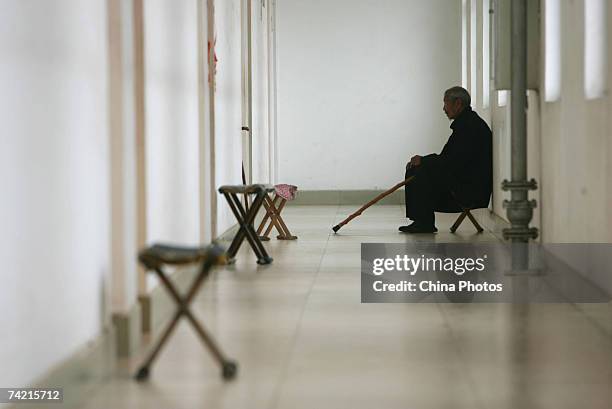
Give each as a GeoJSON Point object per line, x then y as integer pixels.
{"type": "Point", "coordinates": [277, 220]}
{"type": "Point", "coordinates": [264, 221]}
{"type": "Point", "coordinates": [263, 257]}
{"type": "Point", "coordinates": [478, 227]}
{"type": "Point", "coordinates": [246, 228]}
{"type": "Point", "coordinates": [243, 231]}
{"type": "Point", "coordinates": [212, 346]}
{"type": "Point", "coordinates": [270, 206]}
{"type": "Point", "coordinates": [239, 237]}
{"type": "Point", "coordinates": [229, 367]}
{"type": "Point", "coordinates": [285, 234]}
{"type": "Point", "coordinates": [458, 222]}
{"type": "Point", "coordinates": [274, 217]}
{"type": "Point", "coordinates": [143, 372]}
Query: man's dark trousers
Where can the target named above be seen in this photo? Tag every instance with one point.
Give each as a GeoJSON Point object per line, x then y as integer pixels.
{"type": "Point", "coordinates": [428, 191]}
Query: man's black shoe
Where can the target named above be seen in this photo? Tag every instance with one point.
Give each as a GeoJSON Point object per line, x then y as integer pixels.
{"type": "Point", "coordinates": [418, 228]}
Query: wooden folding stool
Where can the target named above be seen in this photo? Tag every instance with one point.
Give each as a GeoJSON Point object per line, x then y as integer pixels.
{"type": "Point", "coordinates": [246, 218]}
{"type": "Point", "coordinates": [153, 258]}
{"type": "Point", "coordinates": [465, 209]}
{"type": "Point", "coordinates": [466, 212]}
{"type": "Point", "coordinates": [282, 194]}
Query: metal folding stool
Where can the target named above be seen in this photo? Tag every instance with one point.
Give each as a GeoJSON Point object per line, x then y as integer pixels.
{"type": "Point", "coordinates": [246, 218]}
{"type": "Point", "coordinates": [153, 258]}
{"type": "Point", "coordinates": [274, 206]}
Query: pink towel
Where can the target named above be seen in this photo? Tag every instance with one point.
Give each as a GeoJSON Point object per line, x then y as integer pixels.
{"type": "Point", "coordinates": [287, 192]}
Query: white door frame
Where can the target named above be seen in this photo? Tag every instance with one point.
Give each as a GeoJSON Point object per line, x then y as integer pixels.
{"type": "Point", "coordinates": [272, 93]}
{"type": "Point", "coordinates": [247, 88]}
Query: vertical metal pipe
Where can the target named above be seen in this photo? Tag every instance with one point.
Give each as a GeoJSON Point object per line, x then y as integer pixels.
{"type": "Point", "coordinates": [519, 208]}
{"type": "Point", "coordinates": [519, 95]}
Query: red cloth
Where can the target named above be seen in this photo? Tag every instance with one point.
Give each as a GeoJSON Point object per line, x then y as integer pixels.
{"type": "Point", "coordinates": [287, 192]}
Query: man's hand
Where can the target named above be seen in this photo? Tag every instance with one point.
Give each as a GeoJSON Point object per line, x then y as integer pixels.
{"type": "Point", "coordinates": [414, 161]}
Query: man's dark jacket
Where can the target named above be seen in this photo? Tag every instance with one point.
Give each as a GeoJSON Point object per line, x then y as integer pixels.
{"type": "Point", "coordinates": [466, 161]}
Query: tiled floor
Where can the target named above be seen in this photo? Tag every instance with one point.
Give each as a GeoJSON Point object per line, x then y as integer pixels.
{"type": "Point", "coordinates": [304, 340]}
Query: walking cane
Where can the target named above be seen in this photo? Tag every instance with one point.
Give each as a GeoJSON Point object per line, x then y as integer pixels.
{"type": "Point", "coordinates": [246, 196]}
{"type": "Point", "coordinates": [370, 203]}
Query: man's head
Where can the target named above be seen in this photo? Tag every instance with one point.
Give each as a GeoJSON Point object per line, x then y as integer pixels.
{"type": "Point", "coordinates": [455, 101]}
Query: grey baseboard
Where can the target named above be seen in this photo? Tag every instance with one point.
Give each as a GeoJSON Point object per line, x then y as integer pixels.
{"type": "Point", "coordinates": [485, 217]}
{"type": "Point", "coordinates": [128, 329]}
{"type": "Point", "coordinates": [145, 310]}
{"type": "Point", "coordinates": [345, 197]}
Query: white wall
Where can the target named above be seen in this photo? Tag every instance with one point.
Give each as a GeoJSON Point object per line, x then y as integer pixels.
{"type": "Point", "coordinates": [228, 109]}
{"type": "Point", "coordinates": [68, 159]}
{"type": "Point", "coordinates": [208, 193]}
{"type": "Point", "coordinates": [576, 133]}
{"type": "Point", "coordinates": [260, 125]}
{"type": "Point", "coordinates": [172, 127]}
{"type": "Point", "coordinates": [569, 145]}
{"type": "Point", "coordinates": [361, 86]}
{"type": "Point", "coordinates": [54, 173]}
{"type": "Point", "coordinates": [123, 189]}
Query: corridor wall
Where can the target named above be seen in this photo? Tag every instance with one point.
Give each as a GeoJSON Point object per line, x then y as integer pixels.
{"type": "Point", "coordinates": [172, 127]}
{"type": "Point", "coordinates": [360, 88]}
{"type": "Point", "coordinates": [261, 121]}
{"type": "Point", "coordinates": [69, 152]}
{"type": "Point", "coordinates": [569, 138]}
{"type": "Point", "coordinates": [54, 172]}
{"type": "Point", "coordinates": [576, 132]}
{"type": "Point", "coordinates": [228, 104]}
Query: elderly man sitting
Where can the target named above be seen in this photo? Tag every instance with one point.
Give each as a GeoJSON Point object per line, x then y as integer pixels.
{"type": "Point", "coordinates": [460, 176]}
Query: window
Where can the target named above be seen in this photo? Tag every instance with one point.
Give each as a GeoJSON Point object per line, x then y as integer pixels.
{"type": "Point", "coordinates": [594, 48]}
{"type": "Point", "coordinates": [473, 61]}
{"type": "Point", "coordinates": [485, 54]}
{"type": "Point", "coordinates": [552, 58]}
{"type": "Point", "coordinates": [464, 44]}
{"type": "Point", "coordinates": [502, 98]}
